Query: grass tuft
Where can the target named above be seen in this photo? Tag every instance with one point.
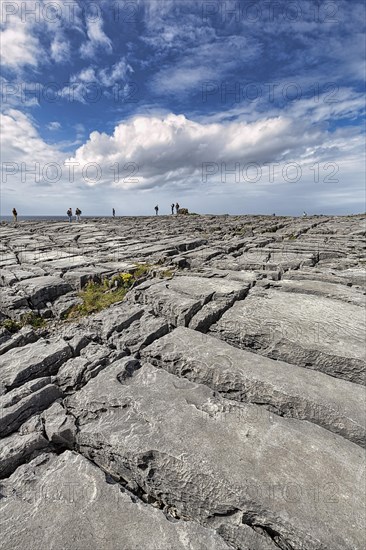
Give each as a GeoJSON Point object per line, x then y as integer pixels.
{"type": "Point", "coordinates": [142, 270]}
{"type": "Point", "coordinates": [98, 296]}
{"type": "Point", "coordinates": [32, 319]}
{"type": "Point", "coordinates": [11, 325]}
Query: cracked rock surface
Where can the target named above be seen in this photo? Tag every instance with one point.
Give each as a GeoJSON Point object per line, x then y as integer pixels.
{"type": "Point", "coordinates": [219, 406]}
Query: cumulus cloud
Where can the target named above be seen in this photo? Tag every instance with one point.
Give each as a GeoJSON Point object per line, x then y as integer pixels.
{"type": "Point", "coordinates": [174, 151]}
{"type": "Point", "coordinates": [169, 155]}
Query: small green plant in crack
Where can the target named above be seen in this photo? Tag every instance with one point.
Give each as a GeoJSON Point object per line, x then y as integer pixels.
{"type": "Point", "coordinates": [142, 270]}
{"type": "Point", "coordinates": [11, 326]}
{"type": "Point", "coordinates": [122, 280]}
{"type": "Point", "coordinates": [166, 274]}
{"type": "Point", "coordinates": [34, 320]}
{"type": "Point", "coordinates": [98, 296]}
{"type": "Point", "coordinates": [31, 318]}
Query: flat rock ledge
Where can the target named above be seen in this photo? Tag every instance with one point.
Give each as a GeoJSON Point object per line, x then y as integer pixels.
{"type": "Point", "coordinates": [220, 406]}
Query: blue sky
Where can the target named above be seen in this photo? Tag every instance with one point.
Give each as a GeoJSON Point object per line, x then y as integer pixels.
{"type": "Point", "coordinates": [225, 107]}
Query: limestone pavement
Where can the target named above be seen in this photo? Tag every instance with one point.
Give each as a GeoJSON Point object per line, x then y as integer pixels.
{"type": "Point", "coordinates": [220, 405]}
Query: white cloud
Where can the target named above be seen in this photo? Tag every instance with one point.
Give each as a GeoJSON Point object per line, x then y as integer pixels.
{"type": "Point", "coordinates": [54, 126]}
{"type": "Point", "coordinates": [91, 82]}
{"type": "Point", "coordinates": [86, 75]}
{"type": "Point", "coordinates": [117, 72]}
{"type": "Point", "coordinates": [174, 151]}
{"type": "Point", "coordinates": [209, 60]}
{"type": "Point", "coordinates": [60, 49]}
{"type": "Point", "coordinates": [18, 47]}
{"type": "Point", "coordinates": [23, 151]}
{"type": "Point", "coordinates": [163, 156]}
{"type": "Point", "coordinates": [337, 104]}
{"type": "Point", "coordinates": [107, 75]}
{"type": "Point", "coordinates": [33, 32]}
{"type": "Point", "coordinates": [97, 38]}
{"type": "Point", "coordinates": [308, 51]}
{"type": "Point", "coordinates": [20, 138]}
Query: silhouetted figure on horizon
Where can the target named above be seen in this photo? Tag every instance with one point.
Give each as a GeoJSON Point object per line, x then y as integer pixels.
{"type": "Point", "coordinates": [113, 212]}
{"type": "Point", "coordinates": [172, 207]}
{"type": "Point", "coordinates": [69, 214]}
{"type": "Point", "coordinates": [15, 215]}
{"type": "Point", "coordinates": [304, 214]}
{"type": "Point", "coordinates": [78, 214]}
{"type": "Point", "coordinates": [157, 210]}
{"type": "Point", "coordinates": [176, 208]}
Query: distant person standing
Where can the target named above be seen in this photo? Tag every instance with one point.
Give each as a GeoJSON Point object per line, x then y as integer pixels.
{"type": "Point", "coordinates": [69, 214]}
{"type": "Point", "coordinates": [15, 215]}
{"type": "Point", "coordinates": [176, 208]}
{"type": "Point", "coordinates": [78, 214]}
{"type": "Point", "coordinates": [172, 207]}
{"type": "Point", "coordinates": [157, 209]}
{"type": "Point", "coordinates": [113, 212]}
{"type": "Point", "coordinates": [304, 214]}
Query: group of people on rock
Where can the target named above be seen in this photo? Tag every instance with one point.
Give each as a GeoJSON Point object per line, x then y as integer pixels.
{"type": "Point", "coordinates": [172, 206]}
{"type": "Point", "coordinates": [77, 214]}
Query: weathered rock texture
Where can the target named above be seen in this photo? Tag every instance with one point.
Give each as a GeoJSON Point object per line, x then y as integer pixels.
{"type": "Point", "coordinates": [220, 406]}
